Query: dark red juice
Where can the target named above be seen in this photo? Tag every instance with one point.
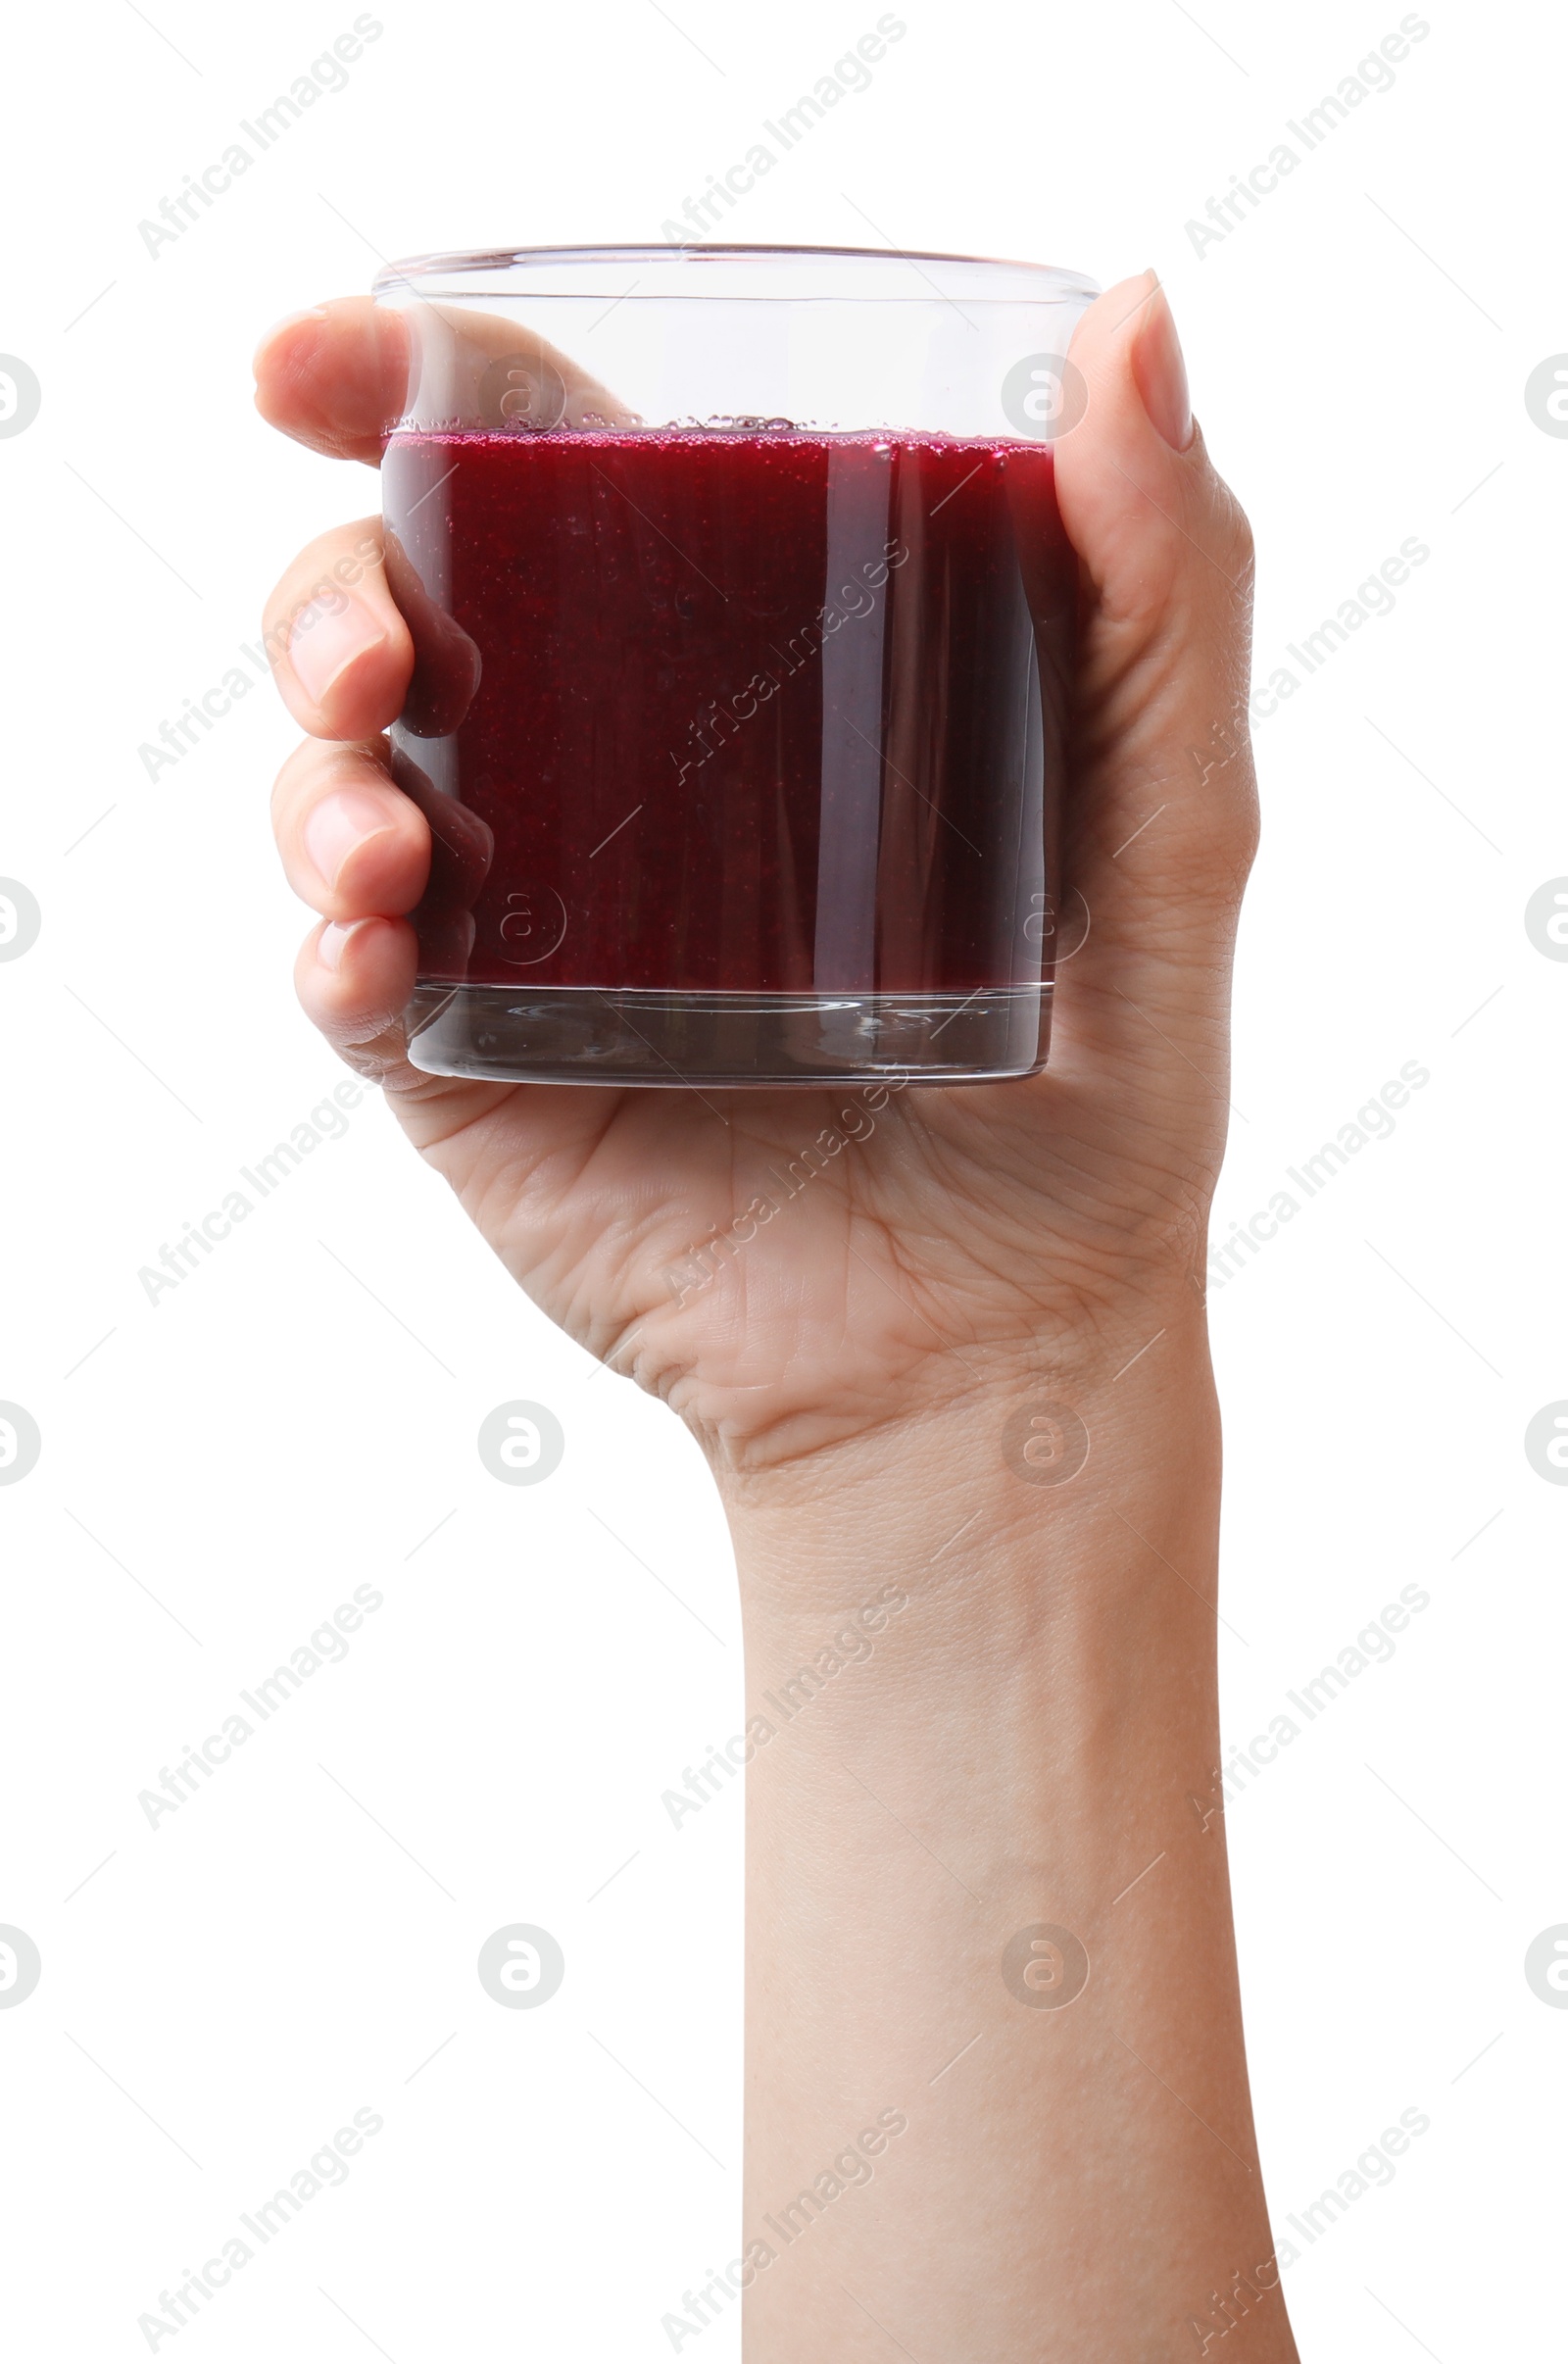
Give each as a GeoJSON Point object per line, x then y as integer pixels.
{"type": "Point", "coordinates": [740, 713]}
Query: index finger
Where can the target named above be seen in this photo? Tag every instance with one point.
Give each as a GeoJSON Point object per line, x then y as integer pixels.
{"type": "Point", "coordinates": [333, 377]}
{"type": "Point", "coordinates": [336, 377]}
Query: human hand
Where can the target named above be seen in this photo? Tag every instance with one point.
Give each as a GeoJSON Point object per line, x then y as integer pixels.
{"type": "Point", "coordinates": [958, 1236]}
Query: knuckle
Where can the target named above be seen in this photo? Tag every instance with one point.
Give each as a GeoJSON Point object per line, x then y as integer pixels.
{"type": "Point", "coordinates": [295, 779]}
{"type": "Point", "coordinates": [1231, 853]}
{"type": "Point", "coordinates": [285, 787]}
{"type": "Point", "coordinates": [323, 573]}
{"type": "Point", "coordinates": [1233, 529]}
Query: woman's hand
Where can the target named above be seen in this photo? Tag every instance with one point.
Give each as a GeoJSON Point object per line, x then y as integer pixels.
{"type": "Point", "coordinates": [1026, 1773]}
{"type": "Point", "coordinates": [960, 1237]}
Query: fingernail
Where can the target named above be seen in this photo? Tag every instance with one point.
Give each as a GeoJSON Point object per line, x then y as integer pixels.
{"type": "Point", "coordinates": [331, 941]}
{"type": "Point", "coordinates": [290, 320]}
{"type": "Point", "coordinates": [326, 637]}
{"type": "Point", "coordinates": [1161, 374]}
{"type": "Point", "coordinates": [340, 823]}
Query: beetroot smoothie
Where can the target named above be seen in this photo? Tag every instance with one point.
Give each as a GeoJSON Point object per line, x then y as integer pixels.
{"type": "Point", "coordinates": [742, 713]}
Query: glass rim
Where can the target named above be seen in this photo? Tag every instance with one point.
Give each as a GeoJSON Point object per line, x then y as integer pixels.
{"type": "Point", "coordinates": [1038, 282]}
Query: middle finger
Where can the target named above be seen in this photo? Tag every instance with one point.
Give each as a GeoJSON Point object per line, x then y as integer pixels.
{"type": "Point", "coordinates": [342, 654]}
{"type": "Point", "coordinates": [353, 846]}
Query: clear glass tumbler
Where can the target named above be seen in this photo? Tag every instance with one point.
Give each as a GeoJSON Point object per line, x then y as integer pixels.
{"type": "Point", "coordinates": [744, 622]}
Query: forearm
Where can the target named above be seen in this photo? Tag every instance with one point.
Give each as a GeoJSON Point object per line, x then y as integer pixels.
{"type": "Point", "coordinates": [1031, 1744]}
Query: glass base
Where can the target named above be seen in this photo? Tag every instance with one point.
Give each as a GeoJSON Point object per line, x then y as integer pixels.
{"type": "Point", "coordinates": [583, 1034]}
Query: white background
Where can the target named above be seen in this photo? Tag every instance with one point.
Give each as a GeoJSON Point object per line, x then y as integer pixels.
{"type": "Point", "coordinates": [219, 1470]}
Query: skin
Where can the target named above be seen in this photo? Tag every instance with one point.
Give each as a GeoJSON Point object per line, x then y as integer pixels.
{"type": "Point", "coordinates": [1035, 1727]}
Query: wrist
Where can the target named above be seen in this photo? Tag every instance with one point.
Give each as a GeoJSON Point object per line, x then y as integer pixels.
{"type": "Point", "coordinates": [938, 1599]}
{"type": "Point", "coordinates": [998, 1468]}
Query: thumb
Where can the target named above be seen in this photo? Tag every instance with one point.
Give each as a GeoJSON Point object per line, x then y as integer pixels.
{"type": "Point", "coordinates": [1161, 821]}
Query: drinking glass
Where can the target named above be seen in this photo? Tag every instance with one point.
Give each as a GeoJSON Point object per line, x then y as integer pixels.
{"type": "Point", "coordinates": [742, 620]}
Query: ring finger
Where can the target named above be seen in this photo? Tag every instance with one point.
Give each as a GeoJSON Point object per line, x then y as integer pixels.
{"type": "Point", "coordinates": [353, 846]}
